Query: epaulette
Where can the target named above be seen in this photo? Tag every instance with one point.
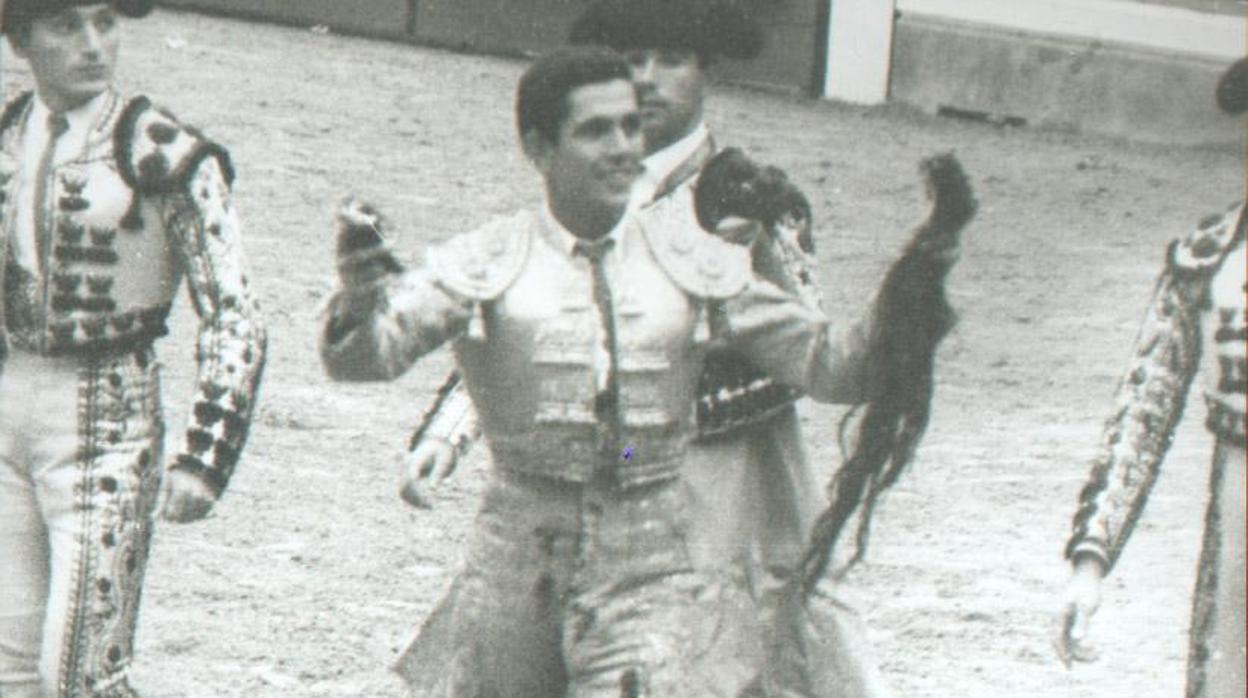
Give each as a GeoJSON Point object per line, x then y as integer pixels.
{"type": "Point", "coordinates": [701, 264]}
{"type": "Point", "coordinates": [156, 154]}
{"type": "Point", "coordinates": [480, 265]}
{"type": "Point", "coordinates": [1202, 251]}
{"type": "Point", "coordinates": [14, 110]}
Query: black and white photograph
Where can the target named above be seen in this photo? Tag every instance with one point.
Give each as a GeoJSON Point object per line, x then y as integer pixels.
{"type": "Point", "coordinates": [623, 348]}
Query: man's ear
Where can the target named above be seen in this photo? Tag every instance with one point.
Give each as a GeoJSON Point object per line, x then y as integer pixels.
{"type": "Point", "coordinates": [537, 149]}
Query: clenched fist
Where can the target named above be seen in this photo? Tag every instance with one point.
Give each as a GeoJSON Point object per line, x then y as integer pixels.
{"type": "Point", "coordinates": [1083, 598]}
{"type": "Point", "coordinates": [363, 256]}
{"type": "Point", "coordinates": [732, 186]}
{"type": "Point", "coordinates": [187, 498]}
{"type": "Point", "coordinates": [424, 468]}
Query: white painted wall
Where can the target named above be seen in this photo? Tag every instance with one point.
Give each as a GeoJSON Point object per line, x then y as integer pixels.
{"type": "Point", "coordinates": [860, 44]}
{"type": "Point", "coordinates": [1219, 36]}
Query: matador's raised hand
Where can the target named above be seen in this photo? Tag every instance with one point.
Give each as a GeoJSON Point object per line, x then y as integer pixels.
{"type": "Point", "coordinates": [731, 185]}
{"type": "Point", "coordinates": [733, 188]}
{"type": "Point", "coordinates": [363, 255]}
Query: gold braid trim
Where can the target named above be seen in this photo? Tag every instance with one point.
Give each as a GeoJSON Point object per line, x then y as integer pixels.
{"type": "Point", "coordinates": [1150, 399]}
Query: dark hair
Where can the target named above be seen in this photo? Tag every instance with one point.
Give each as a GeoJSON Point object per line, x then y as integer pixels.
{"type": "Point", "coordinates": [18, 14]}
{"type": "Point", "coordinates": [542, 98]}
{"type": "Point", "coordinates": [1232, 91]}
{"type": "Point", "coordinates": [709, 28]}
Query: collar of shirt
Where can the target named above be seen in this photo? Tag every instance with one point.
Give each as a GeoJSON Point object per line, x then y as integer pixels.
{"type": "Point", "coordinates": [660, 165]}
{"type": "Point", "coordinates": [81, 121]}
{"type": "Point", "coordinates": [567, 240]}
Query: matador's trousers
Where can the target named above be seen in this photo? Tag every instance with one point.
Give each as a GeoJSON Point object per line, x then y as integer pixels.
{"type": "Point", "coordinates": [80, 464]}
{"type": "Point", "coordinates": [1216, 659]}
{"type": "Point", "coordinates": [753, 502]}
{"type": "Point", "coordinates": [583, 591]}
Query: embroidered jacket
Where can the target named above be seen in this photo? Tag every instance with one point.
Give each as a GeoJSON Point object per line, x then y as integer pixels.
{"type": "Point", "coordinates": [145, 203]}
{"type": "Point", "coordinates": [520, 313]}
{"type": "Point", "coordinates": [1203, 280]}
{"type": "Point", "coordinates": [731, 394]}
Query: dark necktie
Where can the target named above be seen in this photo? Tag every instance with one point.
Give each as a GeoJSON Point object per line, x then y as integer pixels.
{"type": "Point", "coordinates": [607, 401]}
{"type": "Point", "coordinates": [57, 126]}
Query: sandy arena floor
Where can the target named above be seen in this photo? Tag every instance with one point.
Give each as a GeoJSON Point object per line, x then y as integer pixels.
{"type": "Point", "coordinates": [311, 571]}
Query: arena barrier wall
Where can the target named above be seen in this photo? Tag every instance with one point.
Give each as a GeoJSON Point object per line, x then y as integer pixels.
{"type": "Point", "coordinates": [1144, 72]}
{"type": "Point", "coordinates": [1140, 71]}
{"type": "Point", "coordinates": [522, 27]}
{"type": "Point", "coordinates": [390, 19]}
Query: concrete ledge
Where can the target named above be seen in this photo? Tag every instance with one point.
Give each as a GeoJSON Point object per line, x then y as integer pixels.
{"type": "Point", "coordinates": [380, 18]}
{"type": "Point", "coordinates": [509, 27]}
{"type": "Point", "coordinates": [1160, 27]}
{"type": "Point", "coordinates": [1091, 86]}
{"type": "Point", "coordinates": [495, 26]}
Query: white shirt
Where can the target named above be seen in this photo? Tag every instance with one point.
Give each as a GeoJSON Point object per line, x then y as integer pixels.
{"type": "Point", "coordinates": [660, 165]}
{"type": "Point", "coordinates": [657, 168]}
{"type": "Point", "coordinates": [82, 122]}
{"type": "Point", "coordinates": [568, 242]}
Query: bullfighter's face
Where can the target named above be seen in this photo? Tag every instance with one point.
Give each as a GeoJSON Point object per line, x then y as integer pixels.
{"type": "Point", "coordinates": [596, 159]}
{"type": "Point", "coordinates": [670, 91]}
{"type": "Point", "coordinates": [72, 53]}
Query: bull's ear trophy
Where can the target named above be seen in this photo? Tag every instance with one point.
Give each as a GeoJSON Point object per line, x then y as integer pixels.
{"type": "Point", "coordinates": [733, 185]}
{"type": "Point", "coordinates": [912, 317]}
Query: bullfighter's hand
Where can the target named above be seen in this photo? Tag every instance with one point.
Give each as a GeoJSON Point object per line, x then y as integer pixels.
{"type": "Point", "coordinates": [732, 185]}
{"type": "Point", "coordinates": [1083, 598]}
{"type": "Point", "coordinates": [187, 497]}
{"type": "Point", "coordinates": [363, 253]}
{"type": "Point", "coordinates": [739, 231]}
{"type": "Point", "coordinates": [424, 469]}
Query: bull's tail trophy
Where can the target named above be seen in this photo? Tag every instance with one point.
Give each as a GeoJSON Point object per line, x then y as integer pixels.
{"type": "Point", "coordinates": [913, 316]}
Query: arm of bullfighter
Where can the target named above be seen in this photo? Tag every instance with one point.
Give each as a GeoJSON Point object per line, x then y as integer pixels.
{"type": "Point", "coordinates": [445, 433]}
{"type": "Point", "coordinates": [777, 319]}
{"type": "Point", "coordinates": [792, 340]}
{"type": "Point", "coordinates": [383, 317]}
{"type": "Point", "coordinates": [879, 357]}
{"type": "Point", "coordinates": [231, 342]}
{"type": "Point", "coordinates": [1148, 403]}
{"type": "Point", "coordinates": [451, 419]}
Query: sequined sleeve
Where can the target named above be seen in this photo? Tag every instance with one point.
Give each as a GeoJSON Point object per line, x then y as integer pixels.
{"type": "Point", "coordinates": [378, 332]}
{"type": "Point", "coordinates": [792, 341]}
{"type": "Point", "coordinates": [733, 393]}
{"type": "Point", "coordinates": [1148, 404]}
{"type": "Point", "coordinates": [230, 348]}
{"type": "Point", "coordinates": [384, 317]}
{"type": "Point", "coordinates": [450, 418]}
